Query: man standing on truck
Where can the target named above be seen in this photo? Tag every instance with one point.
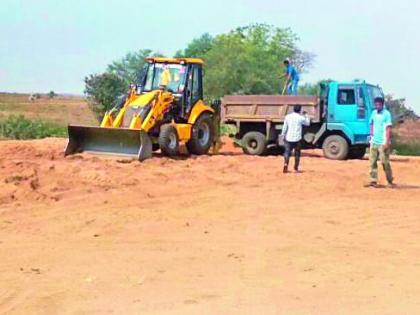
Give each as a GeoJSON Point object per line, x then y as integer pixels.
{"type": "Point", "coordinates": [380, 143]}
{"type": "Point", "coordinates": [292, 135]}
{"type": "Point", "coordinates": [292, 78]}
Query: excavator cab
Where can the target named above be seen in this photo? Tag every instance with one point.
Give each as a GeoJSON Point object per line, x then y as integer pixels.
{"type": "Point", "coordinates": [165, 109]}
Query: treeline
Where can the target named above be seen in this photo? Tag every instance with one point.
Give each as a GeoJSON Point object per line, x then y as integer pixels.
{"type": "Point", "coordinates": [247, 60]}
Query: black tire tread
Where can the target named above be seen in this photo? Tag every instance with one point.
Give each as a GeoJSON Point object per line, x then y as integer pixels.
{"type": "Point", "coordinates": [193, 145]}
{"type": "Point", "coordinates": [261, 143]}
{"type": "Point", "coordinates": [344, 152]}
{"type": "Point", "coordinates": [164, 140]}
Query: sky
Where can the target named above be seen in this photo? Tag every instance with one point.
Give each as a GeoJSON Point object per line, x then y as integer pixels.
{"type": "Point", "coordinates": [52, 45]}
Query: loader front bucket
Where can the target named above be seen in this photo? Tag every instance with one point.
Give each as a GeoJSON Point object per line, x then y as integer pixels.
{"type": "Point", "coordinates": [114, 141]}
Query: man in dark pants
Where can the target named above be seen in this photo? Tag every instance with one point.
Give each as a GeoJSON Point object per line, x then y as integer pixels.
{"type": "Point", "coordinates": [380, 143]}
{"type": "Point", "coordinates": [292, 135]}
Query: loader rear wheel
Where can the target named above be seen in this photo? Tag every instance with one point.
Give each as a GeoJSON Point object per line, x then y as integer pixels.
{"type": "Point", "coordinates": [335, 147]}
{"type": "Point", "coordinates": [254, 143]}
{"type": "Point", "coordinates": [201, 135]}
{"type": "Point", "coordinates": [168, 140]}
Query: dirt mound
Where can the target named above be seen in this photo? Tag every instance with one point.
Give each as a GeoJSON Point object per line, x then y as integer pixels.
{"type": "Point", "coordinates": [222, 234]}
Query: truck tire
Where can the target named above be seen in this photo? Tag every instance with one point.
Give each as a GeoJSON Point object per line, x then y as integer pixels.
{"type": "Point", "coordinates": [335, 147]}
{"type": "Point", "coordinates": [254, 143]}
{"type": "Point", "coordinates": [357, 153]}
{"type": "Point", "coordinates": [201, 135]}
{"type": "Point", "coordinates": [168, 140]}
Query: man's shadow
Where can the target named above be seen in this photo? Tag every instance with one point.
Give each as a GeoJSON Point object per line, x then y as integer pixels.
{"type": "Point", "coordinates": [406, 186]}
{"type": "Point", "coordinates": [401, 187]}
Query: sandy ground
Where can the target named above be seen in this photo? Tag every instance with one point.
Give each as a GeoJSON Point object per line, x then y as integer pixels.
{"type": "Point", "coordinates": [226, 234]}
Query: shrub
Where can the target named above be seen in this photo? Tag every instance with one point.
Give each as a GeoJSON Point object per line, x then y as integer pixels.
{"type": "Point", "coordinates": [407, 148]}
{"type": "Point", "coordinates": [226, 130]}
{"type": "Point", "coordinates": [19, 127]}
{"type": "Point", "coordinates": [102, 90]}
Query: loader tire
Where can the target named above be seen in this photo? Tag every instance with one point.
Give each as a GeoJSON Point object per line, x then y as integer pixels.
{"type": "Point", "coordinates": [201, 135]}
{"type": "Point", "coordinates": [254, 143]}
{"type": "Point", "coordinates": [335, 147]}
{"type": "Point", "coordinates": [168, 140]}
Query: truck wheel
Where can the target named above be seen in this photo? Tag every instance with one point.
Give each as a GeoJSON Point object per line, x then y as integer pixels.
{"type": "Point", "coordinates": [201, 135]}
{"type": "Point", "coordinates": [168, 140]}
{"type": "Point", "coordinates": [254, 143]}
{"type": "Point", "coordinates": [335, 147]}
{"type": "Point", "coordinates": [357, 153]}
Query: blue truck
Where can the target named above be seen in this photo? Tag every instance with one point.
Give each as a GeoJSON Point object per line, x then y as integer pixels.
{"type": "Point", "coordinates": [339, 119]}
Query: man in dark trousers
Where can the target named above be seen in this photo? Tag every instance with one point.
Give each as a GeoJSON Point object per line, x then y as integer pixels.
{"type": "Point", "coordinates": [292, 135]}
{"type": "Point", "coordinates": [380, 143]}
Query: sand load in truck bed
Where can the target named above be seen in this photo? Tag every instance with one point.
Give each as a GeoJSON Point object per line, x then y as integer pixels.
{"type": "Point", "coordinates": [267, 107]}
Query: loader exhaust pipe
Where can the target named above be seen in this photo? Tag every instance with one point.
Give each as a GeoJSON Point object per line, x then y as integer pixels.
{"type": "Point", "coordinates": [115, 141]}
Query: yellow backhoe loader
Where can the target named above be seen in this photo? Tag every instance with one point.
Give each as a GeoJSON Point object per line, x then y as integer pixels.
{"type": "Point", "coordinates": [164, 109]}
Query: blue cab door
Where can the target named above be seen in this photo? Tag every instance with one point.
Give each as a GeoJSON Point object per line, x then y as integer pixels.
{"type": "Point", "coordinates": [348, 108]}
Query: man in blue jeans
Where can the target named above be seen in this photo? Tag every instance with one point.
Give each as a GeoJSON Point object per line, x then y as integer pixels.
{"type": "Point", "coordinates": [380, 143]}
{"type": "Point", "coordinates": [292, 78]}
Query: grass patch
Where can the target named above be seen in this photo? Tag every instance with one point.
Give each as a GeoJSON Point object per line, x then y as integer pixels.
{"type": "Point", "coordinates": [225, 129]}
{"type": "Point", "coordinates": [407, 148]}
{"type": "Point", "coordinates": [21, 128]}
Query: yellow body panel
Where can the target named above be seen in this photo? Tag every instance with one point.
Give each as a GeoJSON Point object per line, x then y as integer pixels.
{"type": "Point", "coordinates": [161, 103]}
{"type": "Point", "coordinates": [142, 100]}
{"type": "Point", "coordinates": [118, 120]}
{"type": "Point", "coordinates": [197, 110]}
{"type": "Point", "coordinates": [184, 131]}
{"type": "Point", "coordinates": [107, 120]}
{"type": "Point", "coordinates": [135, 122]}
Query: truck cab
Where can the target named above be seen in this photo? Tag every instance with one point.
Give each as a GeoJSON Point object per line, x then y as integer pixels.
{"type": "Point", "coordinates": [348, 106]}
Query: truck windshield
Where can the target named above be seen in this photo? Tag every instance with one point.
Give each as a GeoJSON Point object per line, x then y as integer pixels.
{"type": "Point", "coordinates": [170, 76]}
{"type": "Point", "coordinates": [374, 91]}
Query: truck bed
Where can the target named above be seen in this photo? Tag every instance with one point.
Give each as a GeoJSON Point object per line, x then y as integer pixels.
{"type": "Point", "coordinates": [255, 108]}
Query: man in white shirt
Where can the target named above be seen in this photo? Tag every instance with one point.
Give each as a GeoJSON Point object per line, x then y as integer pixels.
{"type": "Point", "coordinates": [292, 135]}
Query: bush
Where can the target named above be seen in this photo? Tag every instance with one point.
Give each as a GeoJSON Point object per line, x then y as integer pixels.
{"type": "Point", "coordinates": [52, 94]}
{"type": "Point", "coordinates": [20, 128]}
{"type": "Point", "coordinates": [406, 148]}
{"type": "Point", "coordinates": [226, 130]}
{"type": "Point", "coordinates": [102, 91]}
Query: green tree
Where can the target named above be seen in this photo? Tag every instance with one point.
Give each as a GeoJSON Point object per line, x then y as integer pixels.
{"type": "Point", "coordinates": [102, 90]}
{"type": "Point", "coordinates": [197, 48]}
{"type": "Point", "coordinates": [248, 60]}
{"type": "Point", "coordinates": [312, 88]}
{"type": "Point", "coordinates": [51, 94]}
{"type": "Point", "coordinates": [128, 67]}
{"type": "Point", "coordinates": [399, 109]}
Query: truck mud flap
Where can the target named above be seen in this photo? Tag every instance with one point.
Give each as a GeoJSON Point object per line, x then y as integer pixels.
{"type": "Point", "coordinates": [113, 141]}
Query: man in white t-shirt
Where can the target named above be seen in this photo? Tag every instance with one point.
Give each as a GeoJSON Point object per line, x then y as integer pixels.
{"type": "Point", "coordinates": [292, 134]}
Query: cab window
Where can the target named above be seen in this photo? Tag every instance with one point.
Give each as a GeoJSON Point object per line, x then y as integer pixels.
{"type": "Point", "coordinates": [196, 86]}
{"type": "Point", "coordinates": [346, 96]}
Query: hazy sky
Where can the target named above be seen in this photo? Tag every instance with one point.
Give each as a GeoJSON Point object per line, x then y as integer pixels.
{"type": "Point", "coordinates": [51, 45]}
